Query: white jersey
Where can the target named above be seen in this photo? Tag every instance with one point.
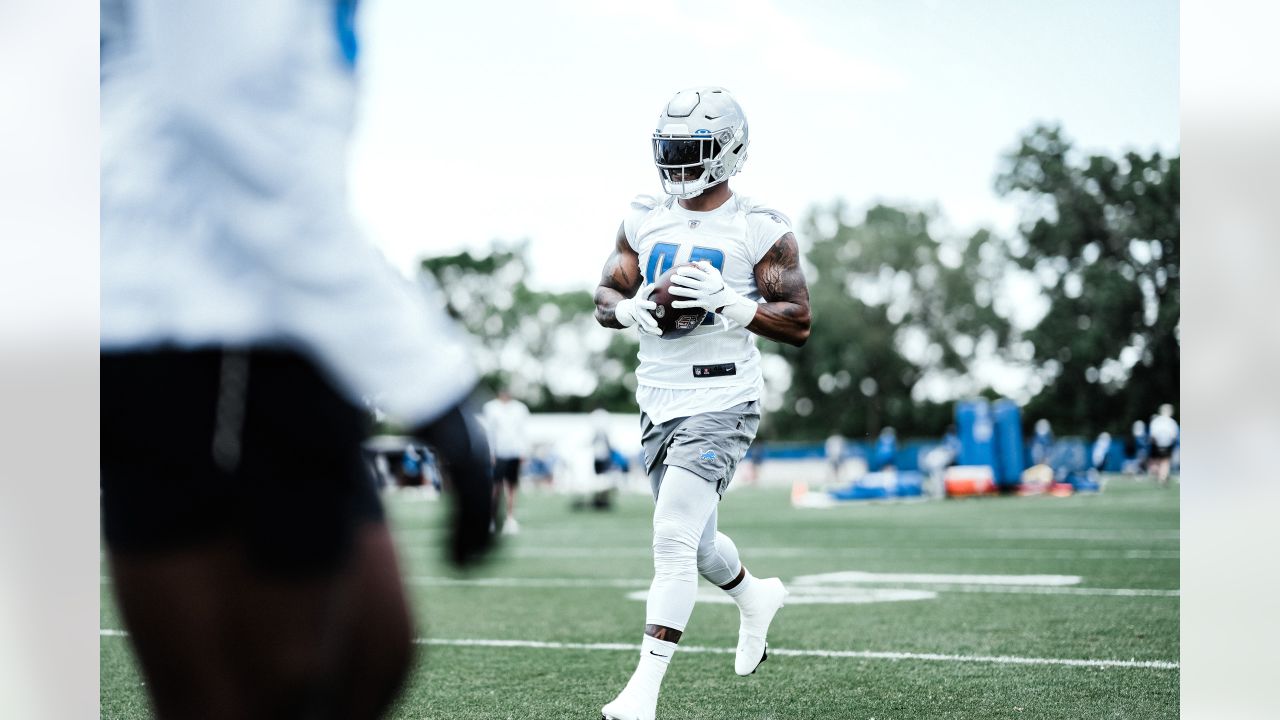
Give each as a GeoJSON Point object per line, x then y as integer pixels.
{"type": "Point", "coordinates": [506, 421]}
{"type": "Point", "coordinates": [1163, 430]}
{"type": "Point", "coordinates": [718, 364]}
{"type": "Point", "coordinates": [224, 207]}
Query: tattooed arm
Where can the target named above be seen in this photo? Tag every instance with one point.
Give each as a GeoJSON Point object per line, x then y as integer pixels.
{"type": "Point", "coordinates": [785, 315]}
{"type": "Point", "coordinates": [619, 280]}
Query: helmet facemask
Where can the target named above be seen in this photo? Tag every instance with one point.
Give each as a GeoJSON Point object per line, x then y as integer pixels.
{"type": "Point", "coordinates": [689, 164]}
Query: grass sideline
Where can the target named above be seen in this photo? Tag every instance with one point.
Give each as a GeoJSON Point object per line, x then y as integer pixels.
{"type": "Point", "coordinates": [561, 587]}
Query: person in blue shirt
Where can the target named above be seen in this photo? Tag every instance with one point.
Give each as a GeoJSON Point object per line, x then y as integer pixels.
{"type": "Point", "coordinates": [885, 456]}
{"type": "Point", "coordinates": [1138, 448]}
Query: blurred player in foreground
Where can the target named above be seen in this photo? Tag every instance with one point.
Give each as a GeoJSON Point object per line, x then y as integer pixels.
{"type": "Point", "coordinates": [699, 394]}
{"type": "Point", "coordinates": [244, 324]}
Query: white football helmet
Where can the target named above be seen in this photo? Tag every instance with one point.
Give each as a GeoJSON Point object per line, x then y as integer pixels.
{"type": "Point", "coordinates": [701, 141]}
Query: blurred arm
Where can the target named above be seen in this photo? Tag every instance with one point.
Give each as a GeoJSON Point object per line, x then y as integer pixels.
{"type": "Point", "coordinates": [619, 280]}
{"type": "Point", "coordinates": [459, 443]}
{"type": "Point", "coordinates": [785, 314]}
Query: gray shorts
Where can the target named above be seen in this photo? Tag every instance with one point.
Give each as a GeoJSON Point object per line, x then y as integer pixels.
{"type": "Point", "coordinates": [707, 444]}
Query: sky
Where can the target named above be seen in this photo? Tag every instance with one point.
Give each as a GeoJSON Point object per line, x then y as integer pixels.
{"type": "Point", "coordinates": [531, 120]}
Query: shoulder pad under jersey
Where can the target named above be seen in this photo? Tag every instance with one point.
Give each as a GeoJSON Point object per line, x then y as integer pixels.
{"type": "Point", "coordinates": [753, 208]}
{"type": "Point", "coordinates": [644, 202]}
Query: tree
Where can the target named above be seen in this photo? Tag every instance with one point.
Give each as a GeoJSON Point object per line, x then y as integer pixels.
{"type": "Point", "coordinates": [1103, 240]}
{"type": "Point", "coordinates": [546, 346]}
{"type": "Point", "coordinates": [899, 318]}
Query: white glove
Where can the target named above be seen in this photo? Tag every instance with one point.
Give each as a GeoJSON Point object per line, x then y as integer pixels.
{"type": "Point", "coordinates": [636, 311]}
{"type": "Point", "coordinates": [705, 287]}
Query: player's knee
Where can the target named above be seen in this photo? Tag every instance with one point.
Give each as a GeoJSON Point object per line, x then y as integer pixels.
{"type": "Point", "coordinates": [674, 543]}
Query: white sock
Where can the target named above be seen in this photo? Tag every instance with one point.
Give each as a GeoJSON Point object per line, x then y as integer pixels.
{"type": "Point", "coordinates": [655, 656]}
{"type": "Point", "coordinates": [737, 591]}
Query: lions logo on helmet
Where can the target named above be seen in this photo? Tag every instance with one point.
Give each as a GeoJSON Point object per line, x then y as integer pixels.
{"type": "Point", "coordinates": [701, 141]}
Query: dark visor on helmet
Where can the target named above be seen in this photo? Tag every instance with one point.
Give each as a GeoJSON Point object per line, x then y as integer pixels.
{"type": "Point", "coordinates": [683, 151]}
{"type": "Point", "coordinates": [679, 152]}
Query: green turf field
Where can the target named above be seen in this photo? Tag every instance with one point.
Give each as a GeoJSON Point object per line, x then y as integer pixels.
{"type": "Point", "coordinates": [1105, 646]}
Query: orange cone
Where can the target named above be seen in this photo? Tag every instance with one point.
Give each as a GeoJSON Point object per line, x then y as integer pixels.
{"type": "Point", "coordinates": [799, 489]}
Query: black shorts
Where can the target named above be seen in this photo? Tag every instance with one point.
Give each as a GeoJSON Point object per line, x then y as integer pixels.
{"type": "Point", "coordinates": [507, 470]}
{"type": "Point", "coordinates": [253, 446]}
{"type": "Point", "coordinates": [1160, 453]}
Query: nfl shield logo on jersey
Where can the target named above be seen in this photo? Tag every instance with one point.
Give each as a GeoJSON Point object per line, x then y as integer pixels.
{"type": "Point", "coordinates": [694, 223]}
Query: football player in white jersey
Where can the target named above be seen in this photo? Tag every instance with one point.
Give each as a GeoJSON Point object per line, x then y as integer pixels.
{"type": "Point", "coordinates": [699, 394]}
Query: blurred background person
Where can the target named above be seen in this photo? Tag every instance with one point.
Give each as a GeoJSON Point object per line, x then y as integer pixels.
{"type": "Point", "coordinates": [885, 456]}
{"type": "Point", "coordinates": [749, 469]}
{"type": "Point", "coordinates": [542, 466]}
{"type": "Point", "coordinates": [507, 420]}
{"type": "Point", "coordinates": [601, 449]}
{"type": "Point", "coordinates": [1137, 448]}
{"type": "Point", "coordinates": [1164, 435]}
{"type": "Point", "coordinates": [951, 444]}
{"type": "Point", "coordinates": [1098, 454]}
{"type": "Point", "coordinates": [609, 465]}
{"type": "Point", "coordinates": [833, 448]}
{"type": "Point", "coordinates": [244, 322]}
{"type": "Point", "coordinates": [413, 466]}
{"type": "Point", "coordinates": [1041, 443]}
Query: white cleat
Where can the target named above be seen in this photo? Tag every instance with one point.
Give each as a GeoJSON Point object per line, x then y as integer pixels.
{"type": "Point", "coordinates": [510, 527]}
{"type": "Point", "coordinates": [755, 614]}
{"type": "Point", "coordinates": [629, 706]}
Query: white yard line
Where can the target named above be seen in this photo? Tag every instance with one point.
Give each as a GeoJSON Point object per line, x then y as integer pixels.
{"type": "Point", "coordinates": [510, 582]}
{"type": "Point", "coordinates": [859, 577]}
{"type": "Point", "coordinates": [1083, 534]}
{"type": "Point", "coordinates": [849, 654]}
{"type": "Point", "coordinates": [644, 552]}
{"type": "Point", "coordinates": [853, 654]}
{"type": "Point", "coordinates": [588, 583]}
{"type": "Point", "coordinates": [1113, 592]}
{"type": "Point", "coordinates": [961, 552]}
{"type": "Point", "coordinates": [941, 533]}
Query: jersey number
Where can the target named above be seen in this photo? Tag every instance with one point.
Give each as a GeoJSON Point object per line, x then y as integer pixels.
{"type": "Point", "coordinates": [663, 256]}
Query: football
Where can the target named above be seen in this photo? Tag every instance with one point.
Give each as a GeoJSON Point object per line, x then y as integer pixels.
{"type": "Point", "coordinates": [675, 322]}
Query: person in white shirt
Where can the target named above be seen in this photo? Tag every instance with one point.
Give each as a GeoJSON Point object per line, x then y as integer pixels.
{"type": "Point", "coordinates": [507, 420]}
{"type": "Point", "coordinates": [834, 450]}
{"type": "Point", "coordinates": [245, 328]}
{"type": "Point", "coordinates": [699, 394]}
{"type": "Point", "coordinates": [1163, 430]}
